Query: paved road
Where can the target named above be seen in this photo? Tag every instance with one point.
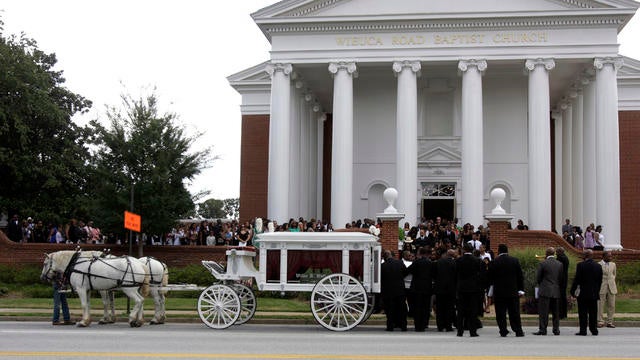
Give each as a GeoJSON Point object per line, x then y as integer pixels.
{"type": "Point", "coordinates": [40, 340]}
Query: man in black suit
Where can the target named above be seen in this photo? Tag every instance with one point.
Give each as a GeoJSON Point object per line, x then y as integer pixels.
{"type": "Point", "coordinates": [449, 237]}
{"type": "Point", "coordinates": [505, 275]}
{"type": "Point", "coordinates": [14, 233]}
{"type": "Point", "coordinates": [589, 279]}
{"type": "Point", "coordinates": [564, 280]}
{"type": "Point", "coordinates": [422, 240]}
{"type": "Point", "coordinates": [392, 291]}
{"type": "Point", "coordinates": [470, 272]}
{"type": "Point", "coordinates": [421, 288]}
{"type": "Point", "coordinates": [445, 289]}
{"type": "Point", "coordinates": [548, 279]}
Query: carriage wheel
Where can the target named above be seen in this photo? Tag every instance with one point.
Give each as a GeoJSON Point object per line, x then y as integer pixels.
{"type": "Point", "coordinates": [247, 303]}
{"type": "Point", "coordinates": [219, 306]}
{"type": "Point", "coordinates": [339, 302]}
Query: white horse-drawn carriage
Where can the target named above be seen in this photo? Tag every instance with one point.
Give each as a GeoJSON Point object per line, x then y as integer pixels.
{"type": "Point", "coordinates": [340, 269]}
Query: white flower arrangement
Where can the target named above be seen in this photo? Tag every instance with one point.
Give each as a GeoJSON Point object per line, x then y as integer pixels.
{"type": "Point", "coordinates": [374, 230]}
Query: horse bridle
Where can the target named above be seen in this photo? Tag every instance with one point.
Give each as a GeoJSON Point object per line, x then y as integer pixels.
{"type": "Point", "coordinates": [50, 267]}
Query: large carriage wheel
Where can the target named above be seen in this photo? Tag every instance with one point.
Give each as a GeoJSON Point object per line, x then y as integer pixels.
{"type": "Point", "coordinates": [219, 306]}
{"type": "Point", "coordinates": [247, 302]}
{"type": "Point", "coordinates": [339, 302]}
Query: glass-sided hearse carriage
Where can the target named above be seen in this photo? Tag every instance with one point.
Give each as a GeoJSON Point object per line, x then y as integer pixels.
{"type": "Point", "coordinates": [340, 269]}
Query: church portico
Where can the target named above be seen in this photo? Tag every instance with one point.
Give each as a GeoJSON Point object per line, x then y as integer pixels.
{"type": "Point", "coordinates": [463, 100]}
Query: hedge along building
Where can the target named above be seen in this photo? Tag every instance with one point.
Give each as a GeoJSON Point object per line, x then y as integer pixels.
{"type": "Point", "coordinates": [443, 100]}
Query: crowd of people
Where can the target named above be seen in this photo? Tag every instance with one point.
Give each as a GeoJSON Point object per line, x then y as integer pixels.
{"type": "Point", "coordinates": [452, 274]}
{"type": "Point", "coordinates": [591, 238]}
{"type": "Point", "coordinates": [34, 231]}
{"type": "Point", "coordinates": [442, 267]}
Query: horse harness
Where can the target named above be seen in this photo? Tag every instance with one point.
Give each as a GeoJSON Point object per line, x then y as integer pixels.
{"type": "Point", "coordinates": [153, 281]}
{"type": "Point", "coordinates": [121, 282]}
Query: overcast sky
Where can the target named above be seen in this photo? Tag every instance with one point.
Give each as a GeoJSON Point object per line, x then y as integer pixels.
{"type": "Point", "coordinates": [185, 49]}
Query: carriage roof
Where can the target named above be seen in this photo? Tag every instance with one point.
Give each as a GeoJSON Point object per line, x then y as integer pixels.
{"type": "Point", "coordinates": [318, 237]}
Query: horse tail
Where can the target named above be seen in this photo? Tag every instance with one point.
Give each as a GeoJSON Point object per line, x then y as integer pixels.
{"type": "Point", "coordinates": [165, 278]}
{"type": "Point", "coordinates": [144, 290]}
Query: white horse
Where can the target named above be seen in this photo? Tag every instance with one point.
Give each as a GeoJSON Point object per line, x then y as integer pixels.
{"type": "Point", "coordinates": [158, 276]}
{"type": "Point", "coordinates": [86, 273]}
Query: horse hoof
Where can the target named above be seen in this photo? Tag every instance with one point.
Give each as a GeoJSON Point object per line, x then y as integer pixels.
{"type": "Point", "coordinates": [156, 322]}
{"type": "Point", "coordinates": [81, 324]}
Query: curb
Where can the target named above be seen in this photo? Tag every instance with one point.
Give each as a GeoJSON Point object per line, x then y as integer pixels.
{"type": "Point", "coordinates": [311, 321]}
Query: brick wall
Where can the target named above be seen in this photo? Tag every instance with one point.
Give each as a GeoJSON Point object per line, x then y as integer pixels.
{"type": "Point", "coordinates": [16, 254]}
{"type": "Point", "coordinates": [543, 239]}
{"type": "Point", "coordinates": [254, 165]}
{"type": "Point", "coordinates": [629, 177]}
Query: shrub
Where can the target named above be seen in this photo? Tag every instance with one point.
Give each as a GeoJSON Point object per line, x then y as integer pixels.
{"type": "Point", "coordinates": [37, 291]}
{"type": "Point", "coordinates": [628, 275]}
{"type": "Point", "coordinates": [191, 274]}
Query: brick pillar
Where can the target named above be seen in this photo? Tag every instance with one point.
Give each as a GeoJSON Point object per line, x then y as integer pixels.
{"type": "Point", "coordinates": [389, 218]}
{"type": "Point", "coordinates": [389, 232]}
{"type": "Point", "coordinates": [498, 226]}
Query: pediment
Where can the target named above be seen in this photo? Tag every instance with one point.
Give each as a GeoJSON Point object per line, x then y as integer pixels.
{"type": "Point", "coordinates": [378, 8]}
{"type": "Point", "coordinates": [630, 68]}
{"type": "Point", "coordinates": [254, 73]}
{"type": "Point", "coordinates": [440, 155]}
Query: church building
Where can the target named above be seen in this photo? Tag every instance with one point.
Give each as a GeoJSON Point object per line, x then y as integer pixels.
{"type": "Point", "coordinates": [444, 101]}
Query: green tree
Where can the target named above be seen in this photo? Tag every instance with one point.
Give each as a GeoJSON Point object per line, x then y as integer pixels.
{"type": "Point", "coordinates": [231, 208]}
{"type": "Point", "coordinates": [211, 209]}
{"type": "Point", "coordinates": [42, 151]}
{"type": "Point", "coordinates": [149, 151]}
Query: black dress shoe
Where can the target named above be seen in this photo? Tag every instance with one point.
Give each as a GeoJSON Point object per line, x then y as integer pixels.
{"type": "Point", "coordinates": [459, 334]}
{"type": "Point", "coordinates": [448, 329]}
{"type": "Point", "coordinates": [539, 333]}
{"type": "Point", "coordinates": [556, 332]}
{"type": "Point", "coordinates": [520, 334]}
{"type": "Point", "coordinates": [581, 334]}
{"type": "Point", "coordinates": [474, 335]}
{"type": "Point", "coordinates": [594, 333]}
{"type": "Point", "coordinates": [503, 334]}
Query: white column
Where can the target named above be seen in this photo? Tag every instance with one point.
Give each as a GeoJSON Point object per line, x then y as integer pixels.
{"type": "Point", "coordinates": [294, 155]}
{"type": "Point", "coordinates": [313, 159]}
{"type": "Point", "coordinates": [567, 130]}
{"type": "Point", "coordinates": [539, 144]}
{"type": "Point", "coordinates": [472, 141]}
{"type": "Point", "coordinates": [589, 152]}
{"type": "Point", "coordinates": [304, 155]}
{"type": "Point", "coordinates": [608, 150]}
{"type": "Point", "coordinates": [407, 138]}
{"type": "Point", "coordinates": [576, 156]}
{"type": "Point", "coordinates": [279, 142]}
{"type": "Point", "coordinates": [557, 127]}
{"type": "Point", "coordinates": [342, 144]}
{"type": "Point", "coordinates": [320, 172]}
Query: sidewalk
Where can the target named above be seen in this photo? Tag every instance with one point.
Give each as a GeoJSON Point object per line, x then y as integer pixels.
{"type": "Point", "coordinates": [267, 317]}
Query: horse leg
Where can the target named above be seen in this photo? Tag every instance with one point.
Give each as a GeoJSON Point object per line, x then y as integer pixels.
{"type": "Point", "coordinates": [112, 306]}
{"type": "Point", "coordinates": [86, 310]}
{"type": "Point", "coordinates": [158, 302]}
{"type": "Point", "coordinates": [109, 308]}
{"type": "Point", "coordinates": [136, 317]}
